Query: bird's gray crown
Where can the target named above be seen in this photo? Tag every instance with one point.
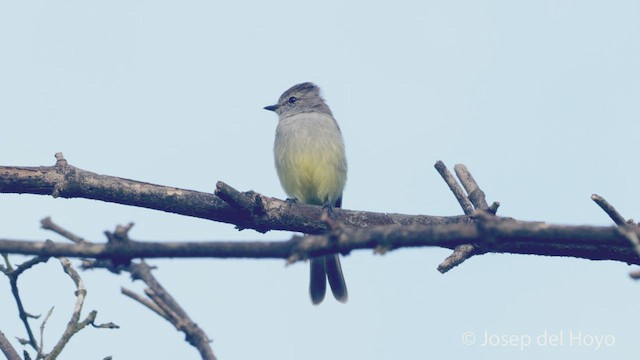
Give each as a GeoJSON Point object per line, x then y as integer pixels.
{"type": "Point", "coordinates": [300, 98]}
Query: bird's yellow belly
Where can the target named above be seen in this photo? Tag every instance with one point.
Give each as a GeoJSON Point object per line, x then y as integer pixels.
{"type": "Point", "coordinates": [313, 180]}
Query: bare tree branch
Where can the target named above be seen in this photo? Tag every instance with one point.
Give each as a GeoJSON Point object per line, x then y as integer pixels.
{"type": "Point", "coordinates": [66, 181]}
{"type": "Point", "coordinates": [175, 313]}
{"type": "Point", "coordinates": [13, 275]}
{"type": "Point", "coordinates": [494, 234]}
{"type": "Point", "coordinates": [74, 325]}
{"type": "Point", "coordinates": [479, 231]}
{"type": "Point", "coordinates": [161, 301]}
{"type": "Point", "coordinates": [252, 210]}
{"type": "Point", "coordinates": [7, 349]}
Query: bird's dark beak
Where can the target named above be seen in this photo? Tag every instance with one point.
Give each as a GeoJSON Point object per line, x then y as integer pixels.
{"type": "Point", "coordinates": [271, 107]}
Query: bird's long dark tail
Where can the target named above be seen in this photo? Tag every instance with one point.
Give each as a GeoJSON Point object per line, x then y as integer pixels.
{"type": "Point", "coordinates": [327, 267]}
{"type": "Point", "coordinates": [323, 268]}
{"type": "Point", "coordinates": [336, 279]}
{"type": "Point", "coordinates": [318, 281]}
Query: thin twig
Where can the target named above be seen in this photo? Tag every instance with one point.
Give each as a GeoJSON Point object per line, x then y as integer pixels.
{"type": "Point", "coordinates": [144, 301]}
{"type": "Point", "coordinates": [609, 209]}
{"type": "Point", "coordinates": [42, 326]}
{"type": "Point", "coordinates": [9, 268]}
{"type": "Point", "coordinates": [142, 272]}
{"type": "Point", "coordinates": [475, 194]}
{"type": "Point", "coordinates": [459, 255]}
{"type": "Point", "coordinates": [73, 326]}
{"type": "Point", "coordinates": [91, 321]}
{"type": "Point", "coordinates": [172, 317]}
{"type": "Point", "coordinates": [48, 224]}
{"type": "Point", "coordinates": [22, 313]}
{"type": "Point", "coordinates": [455, 188]}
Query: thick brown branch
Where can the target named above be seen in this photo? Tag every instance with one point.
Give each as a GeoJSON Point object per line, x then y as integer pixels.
{"type": "Point", "coordinates": [66, 181]}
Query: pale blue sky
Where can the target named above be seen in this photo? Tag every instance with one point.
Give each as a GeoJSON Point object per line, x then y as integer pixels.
{"type": "Point", "coordinates": [539, 99]}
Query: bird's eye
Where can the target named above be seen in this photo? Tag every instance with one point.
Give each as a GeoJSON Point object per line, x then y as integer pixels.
{"type": "Point", "coordinates": [292, 99]}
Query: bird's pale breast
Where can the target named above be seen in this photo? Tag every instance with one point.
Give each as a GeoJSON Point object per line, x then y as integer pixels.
{"type": "Point", "coordinates": [310, 158]}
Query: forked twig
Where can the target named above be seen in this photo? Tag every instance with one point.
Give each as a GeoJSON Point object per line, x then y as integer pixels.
{"type": "Point", "coordinates": [473, 199]}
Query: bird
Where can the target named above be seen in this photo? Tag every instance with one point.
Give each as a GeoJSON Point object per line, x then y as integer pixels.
{"type": "Point", "coordinates": [311, 164]}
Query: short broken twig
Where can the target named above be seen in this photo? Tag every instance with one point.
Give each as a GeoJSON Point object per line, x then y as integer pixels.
{"type": "Point", "coordinates": [48, 224]}
{"type": "Point", "coordinates": [609, 209]}
{"type": "Point", "coordinates": [623, 226]}
{"type": "Point", "coordinates": [467, 206]}
{"type": "Point", "coordinates": [460, 254]}
{"type": "Point", "coordinates": [474, 193]}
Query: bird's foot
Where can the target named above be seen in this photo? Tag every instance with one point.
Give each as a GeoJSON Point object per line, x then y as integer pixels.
{"type": "Point", "coordinates": [328, 209]}
{"type": "Point", "coordinates": [291, 201]}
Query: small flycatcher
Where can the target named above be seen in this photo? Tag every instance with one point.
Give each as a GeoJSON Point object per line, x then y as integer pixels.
{"type": "Point", "coordinates": [312, 167]}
